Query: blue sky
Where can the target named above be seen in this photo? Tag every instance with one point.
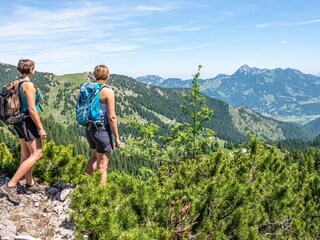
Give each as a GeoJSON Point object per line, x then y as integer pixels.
{"type": "Point", "coordinates": [166, 38]}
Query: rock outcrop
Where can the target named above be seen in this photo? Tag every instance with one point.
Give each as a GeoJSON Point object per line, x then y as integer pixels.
{"type": "Point", "coordinates": [43, 215]}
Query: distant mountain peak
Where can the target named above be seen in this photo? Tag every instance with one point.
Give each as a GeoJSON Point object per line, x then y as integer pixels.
{"type": "Point", "coordinates": [244, 69]}
{"type": "Point", "coordinates": [247, 70]}
{"type": "Point", "coordinates": [219, 76]}
{"type": "Point", "coordinates": [150, 79]}
{"type": "Point", "coordinates": [155, 77]}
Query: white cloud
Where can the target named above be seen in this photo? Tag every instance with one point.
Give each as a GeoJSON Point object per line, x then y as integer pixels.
{"type": "Point", "coordinates": [287, 24]}
{"type": "Point", "coordinates": [151, 8]}
{"type": "Point", "coordinates": [182, 29]}
{"type": "Point", "coordinates": [283, 42]}
{"type": "Point", "coordinates": [183, 48]}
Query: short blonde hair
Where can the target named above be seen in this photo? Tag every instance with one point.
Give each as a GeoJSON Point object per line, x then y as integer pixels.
{"type": "Point", "coordinates": [25, 66]}
{"type": "Point", "coordinates": [101, 72]}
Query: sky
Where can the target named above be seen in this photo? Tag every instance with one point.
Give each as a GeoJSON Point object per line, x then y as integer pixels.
{"type": "Point", "coordinates": [169, 38]}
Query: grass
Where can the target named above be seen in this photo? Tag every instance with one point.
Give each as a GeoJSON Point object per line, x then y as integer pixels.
{"type": "Point", "coordinates": [78, 78]}
{"type": "Point", "coordinates": [68, 83]}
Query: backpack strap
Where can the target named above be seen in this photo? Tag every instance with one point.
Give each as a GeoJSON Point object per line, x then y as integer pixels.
{"type": "Point", "coordinates": [20, 85]}
{"type": "Point", "coordinates": [19, 89]}
{"type": "Point", "coordinates": [103, 86]}
{"type": "Point", "coordinates": [38, 98]}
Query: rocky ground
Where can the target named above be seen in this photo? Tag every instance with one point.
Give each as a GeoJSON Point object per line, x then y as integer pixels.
{"type": "Point", "coordinates": [43, 215]}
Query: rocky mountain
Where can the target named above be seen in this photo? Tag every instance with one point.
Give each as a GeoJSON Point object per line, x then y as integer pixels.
{"type": "Point", "coordinates": [150, 104]}
{"type": "Point", "coordinates": [272, 92]}
{"type": "Point", "coordinates": [151, 79]}
{"type": "Point", "coordinates": [167, 83]}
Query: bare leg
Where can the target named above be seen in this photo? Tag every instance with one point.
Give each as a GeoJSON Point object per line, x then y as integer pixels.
{"type": "Point", "coordinates": [102, 164]}
{"type": "Point", "coordinates": [92, 163]}
{"type": "Point", "coordinates": [35, 149]}
{"type": "Point", "coordinates": [25, 154]}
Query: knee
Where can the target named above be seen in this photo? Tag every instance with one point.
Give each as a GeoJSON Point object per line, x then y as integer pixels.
{"type": "Point", "coordinates": [103, 165]}
{"type": "Point", "coordinates": [37, 154]}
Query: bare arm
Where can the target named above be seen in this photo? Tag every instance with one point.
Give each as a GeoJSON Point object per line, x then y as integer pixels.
{"type": "Point", "coordinates": [28, 91]}
{"type": "Point", "coordinates": [109, 98]}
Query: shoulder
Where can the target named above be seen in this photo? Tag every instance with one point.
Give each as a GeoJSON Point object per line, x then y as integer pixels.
{"type": "Point", "coordinates": [107, 91]}
{"type": "Point", "coordinates": [26, 86]}
{"type": "Point", "coordinates": [107, 95]}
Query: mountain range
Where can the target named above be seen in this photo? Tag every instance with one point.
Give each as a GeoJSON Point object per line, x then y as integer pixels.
{"type": "Point", "coordinates": [151, 104]}
{"type": "Point", "coordinates": [271, 92]}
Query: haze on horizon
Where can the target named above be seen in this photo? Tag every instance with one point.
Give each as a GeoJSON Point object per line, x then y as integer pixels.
{"type": "Point", "coordinates": [167, 38]}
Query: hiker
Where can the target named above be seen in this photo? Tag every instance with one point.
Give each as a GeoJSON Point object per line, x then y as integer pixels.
{"type": "Point", "coordinates": [99, 134]}
{"type": "Point", "coordinates": [30, 131]}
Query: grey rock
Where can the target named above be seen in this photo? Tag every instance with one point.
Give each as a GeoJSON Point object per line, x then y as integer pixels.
{"type": "Point", "coordinates": [56, 184]}
{"type": "Point", "coordinates": [37, 217]}
{"type": "Point", "coordinates": [86, 237]}
{"type": "Point", "coordinates": [57, 196]}
{"type": "Point", "coordinates": [52, 191]}
{"type": "Point", "coordinates": [64, 194]}
{"type": "Point", "coordinates": [66, 233]}
{"type": "Point", "coordinates": [26, 238]}
{"type": "Point", "coordinates": [7, 237]}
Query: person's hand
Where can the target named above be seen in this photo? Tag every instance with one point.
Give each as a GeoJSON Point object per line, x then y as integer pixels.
{"type": "Point", "coordinates": [119, 144]}
{"type": "Point", "coordinates": [43, 134]}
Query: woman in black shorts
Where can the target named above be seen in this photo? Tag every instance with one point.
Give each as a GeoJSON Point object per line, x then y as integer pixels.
{"type": "Point", "coordinates": [99, 135]}
{"type": "Point", "coordinates": [30, 131]}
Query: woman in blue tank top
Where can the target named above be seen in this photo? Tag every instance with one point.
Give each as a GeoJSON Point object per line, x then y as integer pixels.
{"type": "Point", "coordinates": [30, 131]}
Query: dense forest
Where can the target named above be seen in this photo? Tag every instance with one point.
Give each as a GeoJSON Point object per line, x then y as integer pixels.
{"type": "Point", "coordinates": [184, 185]}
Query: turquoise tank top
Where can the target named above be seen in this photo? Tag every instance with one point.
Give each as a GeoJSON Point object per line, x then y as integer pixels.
{"type": "Point", "coordinates": [23, 100]}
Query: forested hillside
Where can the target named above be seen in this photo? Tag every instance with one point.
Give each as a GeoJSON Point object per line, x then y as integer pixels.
{"type": "Point", "coordinates": [313, 126]}
{"type": "Point", "coordinates": [149, 104]}
{"type": "Point", "coordinates": [9, 72]}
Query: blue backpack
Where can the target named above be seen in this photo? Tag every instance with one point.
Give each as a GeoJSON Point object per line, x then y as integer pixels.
{"type": "Point", "coordinates": [88, 107]}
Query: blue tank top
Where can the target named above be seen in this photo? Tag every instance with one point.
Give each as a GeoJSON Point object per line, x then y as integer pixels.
{"type": "Point", "coordinates": [23, 100]}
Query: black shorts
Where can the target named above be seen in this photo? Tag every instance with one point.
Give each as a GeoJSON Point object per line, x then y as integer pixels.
{"type": "Point", "coordinates": [99, 138]}
{"type": "Point", "coordinates": [27, 129]}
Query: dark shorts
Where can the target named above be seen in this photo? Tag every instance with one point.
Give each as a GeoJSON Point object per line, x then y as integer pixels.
{"type": "Point", "coordinates": [27, 129]}
{"type": "Point", "coordinates": [99, 138]}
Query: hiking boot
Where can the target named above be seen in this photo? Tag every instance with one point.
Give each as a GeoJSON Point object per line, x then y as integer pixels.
{"type": "Point", "coordinates": [11, 193]}
{"type": "Point", "coordinates": [35, 188]}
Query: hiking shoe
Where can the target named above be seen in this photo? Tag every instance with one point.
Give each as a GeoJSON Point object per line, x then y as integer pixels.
{"type": "Point", "coordinates": [35, 188]}
{"type": "Point", "coordinates": [11, 193]}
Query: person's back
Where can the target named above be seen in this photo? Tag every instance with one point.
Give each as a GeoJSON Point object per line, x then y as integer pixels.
{"type": "Point", "coordinates": [30, 132]}
{"type": "Point", "coordinates": [99, 136]}
{"type": "Point", "coordinates": [23, 100]}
